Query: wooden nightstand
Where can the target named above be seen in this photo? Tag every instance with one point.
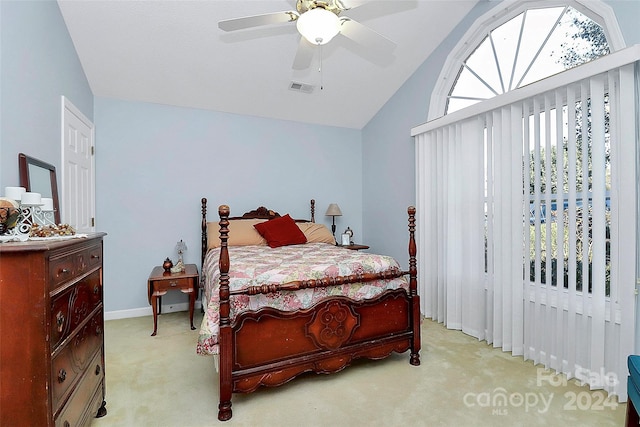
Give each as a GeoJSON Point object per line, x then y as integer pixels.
{"type": "Point", "coordinates": [160, 283]}
{"type": "Point", "coordinates": [355, 247]}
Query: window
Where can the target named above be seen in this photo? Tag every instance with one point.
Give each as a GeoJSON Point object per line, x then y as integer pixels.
{"type": "Point", "coordinates": [561, 185]}
{"type": "Point", "coordinates": [536, 189]}
{"type": "Point", "coordinates": [533, 45]}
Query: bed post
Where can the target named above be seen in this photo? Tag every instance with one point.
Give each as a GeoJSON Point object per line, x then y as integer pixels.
{"type": "Point", "coordinates": [413, 288]}
{"type": "Point", "coordinates": [313, 210]}
{"type": "Point", "coordinates": [203, 226]}
{"type": "Point", "coordinates": [224, 339]}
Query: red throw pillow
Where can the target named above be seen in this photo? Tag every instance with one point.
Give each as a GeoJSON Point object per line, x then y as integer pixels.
{"type": "Point", "coordinates": [281, 231]}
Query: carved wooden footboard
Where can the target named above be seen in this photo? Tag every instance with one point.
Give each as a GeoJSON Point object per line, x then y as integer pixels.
{"type": "Point", "coordinates": [270, 347]}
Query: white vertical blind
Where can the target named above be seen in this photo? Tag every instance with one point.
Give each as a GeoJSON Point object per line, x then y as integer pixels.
{"type": "Point", "coordinates": [537, 266]}
{"type": "Point", "coordinates": [625, 135]}
{"type": "Point", "coordinates": [558, 322]}
{"type": "Point", "coordinates": [490, 232]}
{"type": "Point", "coordinates": [571, 214]}
{"type": "Point", "coordinates": [598, 229]}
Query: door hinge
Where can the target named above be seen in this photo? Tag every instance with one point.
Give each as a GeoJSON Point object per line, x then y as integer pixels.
{"type": "Point", "coordinates": [93, 222]}
{"type": "Point", "coordinates": [93, 150]}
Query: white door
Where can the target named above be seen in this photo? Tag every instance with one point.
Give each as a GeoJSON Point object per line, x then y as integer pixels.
{"type": "Point", "coordinates": [78, 169]}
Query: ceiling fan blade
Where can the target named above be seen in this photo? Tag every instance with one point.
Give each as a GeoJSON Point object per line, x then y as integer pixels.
{"type": "Point", "coordinates": [258, 20]}
{"type": "Point", "coordinates": [304, 55]}
{"type": "Point", "coordinates": [365, 36]}
{"type": "Point", "coordinates": [350, 4]}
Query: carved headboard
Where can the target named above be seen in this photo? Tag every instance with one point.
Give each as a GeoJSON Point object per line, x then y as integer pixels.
{"type": "Point", "coordinates": [258, 213]}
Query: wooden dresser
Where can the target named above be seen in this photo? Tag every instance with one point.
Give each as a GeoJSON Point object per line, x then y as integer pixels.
{"type": "Point", "coordinates": [51, 332]}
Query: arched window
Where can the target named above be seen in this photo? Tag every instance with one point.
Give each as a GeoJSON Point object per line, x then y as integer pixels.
{"type": "Point", "coordinates": [520, 43]}
{"type": "Point", "coordinates": [538, 179]}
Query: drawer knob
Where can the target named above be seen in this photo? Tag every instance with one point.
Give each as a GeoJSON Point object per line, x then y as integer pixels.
{"type": "Point", "coordinates": [65, 271]}
{"type": "Point", "coordinates": [96, 290]}
{"type": "Point", "coordinates": [62, 375]}
{"type": "Point", "coordinates": [98, 369]}
{"type": "Point", "coordinates": [60, 321]}
{"type": "Point", "coordinates": [173, 284]}
{"type": "Point", "coordinates": [98, 330]}
{"type": "Point", "coordinates": [94, 256]}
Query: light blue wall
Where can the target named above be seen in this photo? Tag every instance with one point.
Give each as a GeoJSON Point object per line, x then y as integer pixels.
{"type": "Point", "coordinates": [389, 154]}
{"type": "Point", "coordinates": [388, 149]}
{"type": "Point", "coordinates": [38, 65]}
{"type": "Point", "coordinates": [154, 163]}
{"type": "Point", "coordinates": [628, 15]}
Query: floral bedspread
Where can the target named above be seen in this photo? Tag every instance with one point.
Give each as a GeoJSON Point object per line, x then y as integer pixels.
{"type": "Point", "coordinates": [258, 265]}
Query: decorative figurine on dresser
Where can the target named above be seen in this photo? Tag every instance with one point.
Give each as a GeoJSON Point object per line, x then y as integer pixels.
{"type": "Point", "coordinates": [52, 331]}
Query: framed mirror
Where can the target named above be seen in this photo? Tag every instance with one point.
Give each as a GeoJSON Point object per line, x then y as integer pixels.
{"type": "Point", "coordinates": [39, 177]}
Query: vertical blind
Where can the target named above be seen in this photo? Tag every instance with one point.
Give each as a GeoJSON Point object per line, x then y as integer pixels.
{"type": "Point", "coordinates": [527, 220]}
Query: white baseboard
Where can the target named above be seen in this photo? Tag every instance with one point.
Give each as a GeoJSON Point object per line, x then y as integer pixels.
{"type": "Point", "coordinates": [146, 311]}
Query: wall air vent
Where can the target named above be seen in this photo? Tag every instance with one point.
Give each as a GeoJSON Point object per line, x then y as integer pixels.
{"type": "Point", "coordinates": [301, 87]}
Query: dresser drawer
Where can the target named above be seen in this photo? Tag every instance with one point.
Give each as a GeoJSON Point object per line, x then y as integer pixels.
{"type": "Point", "coordinates": [94, 256]}
{"type": "Point", "coordinates": [170, 284]}
{"type": "Point", "coordinates": [70, 307]}
{"type": "Point", "coordinates": [61, 270]}
{"type": "Point", "coordinates": [74, 358]}
{"type": "Point", "coordinates": [65, 266]}
{"type": "Point", "coordinates": [79, 410]}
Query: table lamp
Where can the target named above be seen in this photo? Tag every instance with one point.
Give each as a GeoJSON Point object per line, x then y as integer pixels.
{"type": "Point", "coordinates": [333, 211]}
{"type": "Point", "coordinates": [180, 248]}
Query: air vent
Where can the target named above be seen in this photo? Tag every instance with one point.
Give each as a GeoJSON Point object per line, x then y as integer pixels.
{"type": "Point", "coordinates": [301, 87]}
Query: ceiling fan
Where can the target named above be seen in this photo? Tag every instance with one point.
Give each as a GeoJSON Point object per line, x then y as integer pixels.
{"type": "Point", "coordinates": [317, 22]}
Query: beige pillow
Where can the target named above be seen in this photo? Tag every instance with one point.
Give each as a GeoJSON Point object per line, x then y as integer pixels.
{"type": "Point", "coordinates": [316, 233]}
{"type": "Point", "coordinates": [241, 233]}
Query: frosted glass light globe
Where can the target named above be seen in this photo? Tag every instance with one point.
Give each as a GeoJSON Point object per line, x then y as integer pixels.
{"type": "Point", "coordinates": [318, 25]}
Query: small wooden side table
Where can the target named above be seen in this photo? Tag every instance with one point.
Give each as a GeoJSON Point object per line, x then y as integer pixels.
{"type": "Point", "coordinates": [355, 247]}
{"type": "Point", "coordinates": [161, 282]}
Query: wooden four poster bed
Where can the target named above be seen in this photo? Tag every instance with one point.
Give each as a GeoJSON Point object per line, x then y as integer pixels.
{"type": "Point", "coordinates": [268, 325]}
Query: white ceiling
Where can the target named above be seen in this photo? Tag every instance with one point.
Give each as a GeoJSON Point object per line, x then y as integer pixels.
{"type": "Point", "coordinates": [172, 52]}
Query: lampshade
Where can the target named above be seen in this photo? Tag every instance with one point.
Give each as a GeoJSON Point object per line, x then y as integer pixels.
{"type": "Point", "coordinates": [333, 210]}
{"type": "Point", "coordinates": [318, 25]}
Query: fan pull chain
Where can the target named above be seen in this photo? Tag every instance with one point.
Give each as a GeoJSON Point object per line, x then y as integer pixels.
{"type": "Point", "coordinates": [320, 70]}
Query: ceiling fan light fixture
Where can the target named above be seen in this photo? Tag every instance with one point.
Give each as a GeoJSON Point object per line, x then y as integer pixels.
{"type": "Point", "coordinates": [318, 25]}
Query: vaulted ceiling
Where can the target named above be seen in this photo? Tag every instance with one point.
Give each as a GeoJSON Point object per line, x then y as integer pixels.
{"type": "Point", "coordinates": [172, 52]}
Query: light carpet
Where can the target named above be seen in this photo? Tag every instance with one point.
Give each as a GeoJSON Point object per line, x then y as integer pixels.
{"type": "Point", "coordinates": [160, 381]}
